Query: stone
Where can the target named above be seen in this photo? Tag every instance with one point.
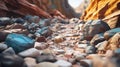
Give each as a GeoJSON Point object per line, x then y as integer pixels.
{"type": "Point", "coordinates": [97, 39]}
{"type": "Point", "coordinates": [63, 63]}
{"type": "Point", "coordinates": [7, 60]}
{"type": "Point", "coordinates": [41, 39]}
{"type": "Point", "coordinates": [93, 27]}
{"type": "Point", "coordinates": [9, 51]}
{"type": "Point", "coordinates": [40, 45]}
{"type": "Point", "coordinates": [73, 61]}
{"type": "Point", "coordinates": [114, 42]}
{"type": "Point", "coordinates": [31, 62]}
{"type": "Point", "coordinates": [86, 63]}
{"type": "Point", "coordinates": [82, 46]}
{"type": "Point", "coordinates": [90, 50]}
{"type": "Point", "coordinates": [108, 34]}
{"type": "Point", "coordinates": [32, 52]}
{"type": "Point", "coordinates": [102, 46]}
{"type": "Point", "coordinates": [73, 20]}
{"type": "Point", "coordinates": [79, 57]}
{"type": "Point", "coordinates": [58, 39]}
{"type": "Point", "coordinates": [46, 64]}
{"type": "Point", "coordinates": [45, 58]}
{"type": "Point", "coordinates": [3, 47]}
{"type": "Point", "coordinates": [44, 23]}
{"type": "Point", "coordinates": [3, 36]}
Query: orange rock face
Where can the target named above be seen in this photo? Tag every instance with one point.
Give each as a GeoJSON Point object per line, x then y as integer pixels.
{"type": "Point", "coordinates": [108, 10]}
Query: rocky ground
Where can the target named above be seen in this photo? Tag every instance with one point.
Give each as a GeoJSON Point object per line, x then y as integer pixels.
{"type": "Point", "coordinates": [56, 42]}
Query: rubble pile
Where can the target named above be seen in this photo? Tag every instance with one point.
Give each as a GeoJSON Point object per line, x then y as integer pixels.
{"type": "Point", "coordinates": [34, 42]}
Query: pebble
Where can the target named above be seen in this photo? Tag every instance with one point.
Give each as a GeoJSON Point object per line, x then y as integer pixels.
{"type": "Point", "coordinates": [63, 63]}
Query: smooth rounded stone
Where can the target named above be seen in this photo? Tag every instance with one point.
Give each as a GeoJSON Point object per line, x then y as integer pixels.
{"type": "Point", "coordinates": [63, 63]}
{"type": "Point", "coordinates": [3, 47]}
{"type": "Point", "coordinates": [31, 62]}
{"type": "Point", "coordinates": [86, 63]}
{"type": "Point", "coordinates": [71, 60]}
{"type": "Point", "coordinates": [9, 51]}
{"type": "Point", "coordinates": [93, 27]}
{"type": "Point", "coordinates": [108, 34]}
{"type": "Point", "coordinates": [90, 50]}
{"type": "Point", "coordinates": [32, 52]}
{"type": "Point", "coordinates": [7, 60]}
{"type": "Point", "coordinates": [46, 58]}
{"type": "Point", "coordinates": [79, 57]}
{"type": "Point", "coordinates": [59, 51]}
{"type": "Point", "coordinates": [82, 45]}
{"type": "Point", "coordinates": [40, 45]}
{"type": "Point", "coordinates": [46, 64]}
{"type": "Point", "coordinates": [58, 39]}
{"type": "Point", "coordinates": [97, 39]}
{"type": "Point", "coordinates": [19, 20]}
{"type": "Point", "coordinates": [44, 22]}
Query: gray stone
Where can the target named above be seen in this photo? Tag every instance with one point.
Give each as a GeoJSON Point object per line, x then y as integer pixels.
{"type": "Point", "coordinates": [9, 51]}
{"type": "Point", "coordinates": [63, 63]}
{"type": "Point", "coordinates": [32, 52]}
{"type": "Point", "coordinates": [91, 28]}
{"type": "Point", "coordinates": [3, 47]}
{"type": "Point", "coordinates": [90, 50]}
{"type": "Point", "coordinates": [86, 63]}
{"type": "Point", "coordinates": [46, 64]}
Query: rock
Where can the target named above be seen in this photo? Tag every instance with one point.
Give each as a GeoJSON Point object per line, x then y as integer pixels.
{"type": "Point", "coordinates": [109, 53]}
{"type": "Point", "coordinates": [11, 61]}
{"type": "Point", "coordinates": [90, 50]}
{"type": "Point", "coordinates": [82, 46]}
{"type": "Point", "coordinates": [46, 64]}
{"type": "Point", "coordinates": [40, 45]}
{"type": "Point", "coordinates": [32, 52]}
{"type": "Point", "coordinates": [4, 21]}
{"type": "Point", "coordinates": [59, 51]}
{"type": "Point", "coordinates": [41, 39]}
{"type": "Point", "coordinates": [74, 20]}
{"type": "Point", "coordinates": [102, 46]}
{"type": "Point", "coordinates": [19, 42]}
{"type": "Point", "coordinates": [31, 62]}
{"type": "Point", "coordinates": [114, 42]}
{"type": "Point", "coordinates": [3, 36]}
{"type": "Point", "coordinates": [91, 28]}
{"type": "Point", "coordinates": [46, 58]}
{"type": "Point", "coordinates": [3, 47]}
{"type": "Point", "coordinates": [63, 63]}
{"type": "Point", "coordinates": [9, 51]}
{"type": "Point", "coordinates": [44, 23]}
{"type": "Point", "coordinates": [79, 57]}
{"type": "Point", "coordinates": [58, 39]}
{"type": "Point", "coordinates": [45, 31]}
{"type": "Point", "coordinates": [108, 34]}
{"type": "Point", "coordinates": [97, 39]}
{"type": "Point", "coordinates": [86, 63]}
{"type": "Point", "coordinates": [71, 60]}
{"type": "Point", "coordinates": [19, 20]}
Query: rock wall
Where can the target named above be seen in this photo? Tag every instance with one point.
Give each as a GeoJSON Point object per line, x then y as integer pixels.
{"type": "Point", "coordinates": [108, 10]}
{"type": "Point", "coordinates": [42, 8]}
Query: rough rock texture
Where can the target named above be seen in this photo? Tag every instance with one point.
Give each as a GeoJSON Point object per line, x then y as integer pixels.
{"type": "Point", "coordinates": [42, 8]}
{"type": "Point", "coordinates": [108, 10]}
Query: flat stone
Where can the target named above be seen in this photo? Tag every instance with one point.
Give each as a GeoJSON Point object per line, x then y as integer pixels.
{"type": "Point", "coordinates": [46, 64]}
{"type": "Point", "coordinates": [63, 63]}
{"type": "Point", "coordinates": [31, 62]}
{"type": "Point", "coordinates": [40, 45]}
{"type": "Point", "coordinates": [32, 52]}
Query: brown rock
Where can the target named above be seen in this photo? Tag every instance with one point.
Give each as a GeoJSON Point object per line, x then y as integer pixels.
{"type": "Point", "coordinates": [31, 62]}
{"type": "Point", "coordinates": [40, 45]}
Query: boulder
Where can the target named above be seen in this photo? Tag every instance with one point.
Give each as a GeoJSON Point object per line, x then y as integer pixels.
{"type": "Point", "coordinates": [93, 27]}
{"type": "Point", "coordinates": [32, 52]}
{"type": "Point", "coordinates": [108, 34]}
{"type": "Point", "coordinates": [7, 60]}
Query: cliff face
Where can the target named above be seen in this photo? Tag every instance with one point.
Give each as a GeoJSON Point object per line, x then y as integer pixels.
{"type": "Point", "coordinates": [42, 8]}
{"type": "Point", "coordinates": [108, 10]}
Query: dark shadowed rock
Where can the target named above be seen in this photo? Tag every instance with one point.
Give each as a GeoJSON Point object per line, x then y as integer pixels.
{"type": "Point", "coordinates": [97, 39]}
{"type": "Point", "coordinates": [3, 36]}
{"type": "Point", "coordinates": [91, 28]}
{"type": "Point", "coordinates": [110, 33]}
{"type": "Point", "coordinates": [3, 47]}
{"type": "Point", "coordinates": [46, 64]}
{"type": "Point", "coordinates": [7, 60]}
{"type": "Point", "coordinates": [9, 51]}
{"type": "Point", "coordinates": [90, 49]}
{"type": "Point", "coordinates": [86, 63]}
